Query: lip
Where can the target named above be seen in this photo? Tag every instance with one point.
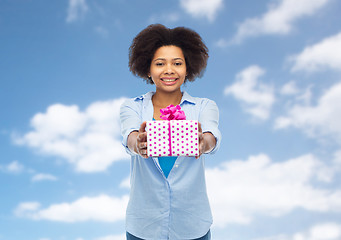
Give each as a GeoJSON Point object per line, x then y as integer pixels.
{"type": "Point", "coordinates": [171, 81]}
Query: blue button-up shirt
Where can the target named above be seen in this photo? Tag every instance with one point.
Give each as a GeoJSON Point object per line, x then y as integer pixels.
{"type": "Point", "coordinates": [176, 207]}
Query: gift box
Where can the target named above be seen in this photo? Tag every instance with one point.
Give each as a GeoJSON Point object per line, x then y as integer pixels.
{"type": "Point", "coordinates": [172, 138]}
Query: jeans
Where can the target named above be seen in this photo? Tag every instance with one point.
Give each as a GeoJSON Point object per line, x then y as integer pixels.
{"type": "Point", "coordinates": [206, 237]}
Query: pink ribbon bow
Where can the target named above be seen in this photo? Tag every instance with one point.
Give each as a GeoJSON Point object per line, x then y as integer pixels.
{"type": "Point", "coordinates": [172, 113]}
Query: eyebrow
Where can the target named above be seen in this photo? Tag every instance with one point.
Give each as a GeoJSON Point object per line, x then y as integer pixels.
{"type": "Point", "coordinates": [163, 59]}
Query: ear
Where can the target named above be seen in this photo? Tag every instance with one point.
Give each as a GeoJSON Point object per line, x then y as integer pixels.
{"type": "Point", "coordinates": [150, 78]}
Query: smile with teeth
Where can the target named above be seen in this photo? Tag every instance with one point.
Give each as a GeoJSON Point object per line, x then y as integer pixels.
{"type": "Point", "coordinates": [169, 79]}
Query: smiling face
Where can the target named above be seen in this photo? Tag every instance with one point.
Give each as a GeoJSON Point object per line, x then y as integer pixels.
{"type": "Point", "coordinates": [168, 68]}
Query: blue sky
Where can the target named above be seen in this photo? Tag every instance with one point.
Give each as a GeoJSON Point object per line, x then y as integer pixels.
{"type": "Point", "coordinates": [274, 71]}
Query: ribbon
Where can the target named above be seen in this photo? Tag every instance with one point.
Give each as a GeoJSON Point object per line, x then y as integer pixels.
{"type": "Point", "coordinates": [172, 113]}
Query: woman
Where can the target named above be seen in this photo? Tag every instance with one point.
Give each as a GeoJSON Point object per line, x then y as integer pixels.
{"type": "Point", "coordinates": [168, 198]}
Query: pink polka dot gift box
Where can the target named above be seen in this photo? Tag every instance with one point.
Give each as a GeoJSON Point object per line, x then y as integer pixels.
{"type": "Point", "coordinates": [172, 138]}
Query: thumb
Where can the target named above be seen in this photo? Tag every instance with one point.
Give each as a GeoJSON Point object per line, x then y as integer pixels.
{"type": "Point", "coordinates": [199, 127]}
{"type": "Point", "coordinates": [143, 127]}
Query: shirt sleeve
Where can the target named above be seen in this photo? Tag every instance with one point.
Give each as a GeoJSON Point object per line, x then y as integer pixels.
{"type": "Point", "coordinates": [209, 119]}
{"type": "Point", "coordinates": [130, 120]}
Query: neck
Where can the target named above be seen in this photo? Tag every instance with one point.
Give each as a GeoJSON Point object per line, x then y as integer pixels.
{"type": "Point", "coordinates": [164, 99]}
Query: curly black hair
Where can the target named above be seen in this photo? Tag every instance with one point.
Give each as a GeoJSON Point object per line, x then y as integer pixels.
{"type": "Point", "coordinates": [145, 44]}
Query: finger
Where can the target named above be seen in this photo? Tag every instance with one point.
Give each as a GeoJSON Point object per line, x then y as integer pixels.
{"type": "Point", "coordinates": [196, 157]}
{"type": "Point", "coordinates": [199, 127]}
{"type": "Point", "coordinates": [143, 145]}
{"type": "Point", "coordinates": [143, 153]}
{"type": "Point", "coordinates": [200, 145]}
{"type": "Point", "coordinates": [201, 136]}
{"type": "Point", "coordinates": [142, 137]}
{"type": "Point", "coordinates": [143, 127]}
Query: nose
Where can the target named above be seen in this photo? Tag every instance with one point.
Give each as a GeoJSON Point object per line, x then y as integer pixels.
{"type": "Point", "coordinates": [169, 69]}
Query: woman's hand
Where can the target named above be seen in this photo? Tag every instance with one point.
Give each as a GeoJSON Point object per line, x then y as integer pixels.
{"type": "Point", "coordinates": [137, 141]}
{"type": "Point", "coordinates": [206, 142]}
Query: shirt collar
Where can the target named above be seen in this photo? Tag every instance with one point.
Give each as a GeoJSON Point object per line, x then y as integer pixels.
{"type": "Point", "coordinates": [147, 96]}
{"type": "Point", "coordinates": [185, 97]}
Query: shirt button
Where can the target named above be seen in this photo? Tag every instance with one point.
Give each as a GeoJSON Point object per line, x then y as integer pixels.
{"type": "Point", "coordinates": [176, 165]}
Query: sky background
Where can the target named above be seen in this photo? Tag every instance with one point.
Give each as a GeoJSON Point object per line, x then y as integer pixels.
{"type": "Point", "coordinates": [274, 71]}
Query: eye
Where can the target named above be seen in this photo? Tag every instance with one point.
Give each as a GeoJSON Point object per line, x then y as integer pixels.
{"type": "Point", "coordinates": [159, 63]}
{"type": "Point", "coordinates": [178, 63]}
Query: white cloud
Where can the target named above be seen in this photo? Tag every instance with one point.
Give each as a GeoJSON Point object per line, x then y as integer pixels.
{"type": "Point", "coordinates": [323, 55]}
{"type": "Point", "coordinates": [306, 95]}
{"type": "Point", "coordinates": [100, 208]}
{"type": "Point", "coordinates": [89, 140]}
{"type": "Point", "coordinates": [337, 158]}
{"type": "Point", "coordinates": [330, 231]}
{"type": "Point", "coordinates": [239, 190]}
{"type": "Point", "coordinates": [322, 120]}
{"type": "Point", "coordinates": [43, 177]}
{"type": "Point", "coordinates": [202, 8]}
{"type": "Point", "coordinates": [126, 183]}
{"type": "Point", "coordinates": [257, 98]}
{"type": "Point", "coordinates": [14, 167]}
{"type": "Point", "coordinates": [26, 207]}
{"type": "Point", "coordinates": [112, 237]}
{"type": "Point", "coordinates": [325, 231]}
{"type": "Point", "coordinates": [279, 19]}
{"type": "Point", "coordinates": [76, 10]}
{"type": "Point", "coordinates": [221, 43]}
{"type": "Point", "coordinates": [289, 88]}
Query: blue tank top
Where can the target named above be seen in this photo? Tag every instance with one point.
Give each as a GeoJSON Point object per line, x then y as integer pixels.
{"type": "Point", "coordinates": [166, 163]}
